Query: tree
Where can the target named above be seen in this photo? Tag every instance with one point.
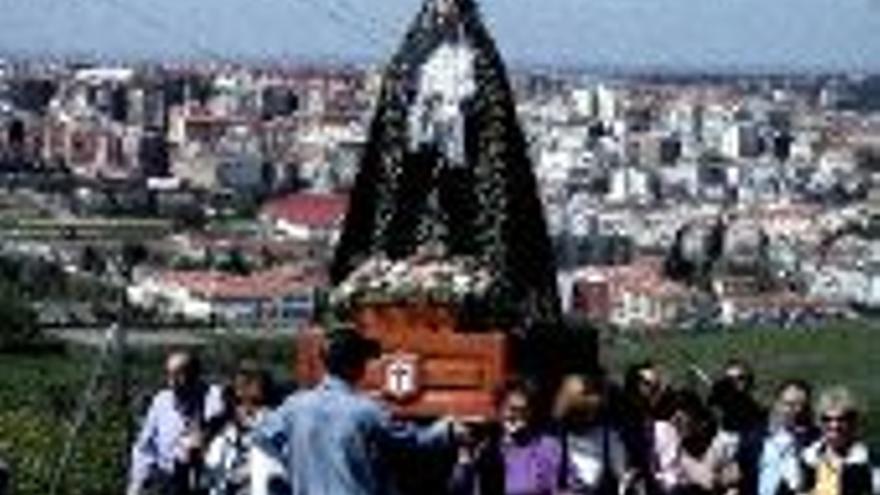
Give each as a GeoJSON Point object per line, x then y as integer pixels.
{"type": "Point", "coordinates": [694, 254]}
{"type": "Point", "coordinates": [868, 160]}
{"type": "Point", "coordinates": [133, 254]}
{"type": "Point", "coordinates": [19, 321]}
{"type": "Point", "coordinates": [92, 261]}
{"type": "Point", "coordinates": [235, 263]}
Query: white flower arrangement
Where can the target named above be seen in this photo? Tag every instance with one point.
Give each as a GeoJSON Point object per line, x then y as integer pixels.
{"type": "Point", "coordinates": [418, 279]}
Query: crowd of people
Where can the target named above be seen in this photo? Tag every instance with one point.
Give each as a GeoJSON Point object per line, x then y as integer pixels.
{"type": "Point", "coordinates": [643, 436]}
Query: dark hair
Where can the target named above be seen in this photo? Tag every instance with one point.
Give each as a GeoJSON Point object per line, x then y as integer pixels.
{"type": "Point", "coordinates": [805, 416]}
{"type": "Point", "coordinates": [748, 374]}
{"type": "Point", "coordinates": [633, 375]}
{"type": "Point", "coordinates": [797, 383]}
{"type": "Point", "coordinates": [690, 403]}
{"type": "Point", "coordinates": [738, 362]}
{"type": "Point", "coordinates": [347, 351]}
{"type": "Point", "coordinates": [738, 410]}
{"type": "Point", "coordinates": [594, 383]}
{"type": "Point", "coordinates": [704, 422]}
{"type": "Point", "coordinates": [597, 380]}
{"type": "Point", "coordinates": [516, 385]}
{"type": "Point", "coordinates": [193, 364]}
{"type": "Point", "coordinates": [251, 371]}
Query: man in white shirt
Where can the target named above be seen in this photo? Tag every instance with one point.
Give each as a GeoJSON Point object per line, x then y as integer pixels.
{"type": "Point", "coordinates": [167, 454]}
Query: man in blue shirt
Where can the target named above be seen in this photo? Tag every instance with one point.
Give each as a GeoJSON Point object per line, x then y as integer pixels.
{"type": "Point", "coordinates": [335, 440]}
{"type": "Point", "coordinates": [167, 452]}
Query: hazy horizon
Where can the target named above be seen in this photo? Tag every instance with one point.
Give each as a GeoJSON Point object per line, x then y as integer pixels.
{"type": "Point", "coordinates": [697, 35]}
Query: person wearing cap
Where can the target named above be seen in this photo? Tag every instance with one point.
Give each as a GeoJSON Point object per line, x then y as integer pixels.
{"type": "Point", "coordinates": [333, 439]}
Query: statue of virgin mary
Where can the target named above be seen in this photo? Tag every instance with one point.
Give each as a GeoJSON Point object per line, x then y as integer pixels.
{"type": "Point", "coordinates": [446, 165]}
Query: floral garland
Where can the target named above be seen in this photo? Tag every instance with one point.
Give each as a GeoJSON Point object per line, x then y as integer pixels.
{"type": "Point", "coordinates": [416, 280]}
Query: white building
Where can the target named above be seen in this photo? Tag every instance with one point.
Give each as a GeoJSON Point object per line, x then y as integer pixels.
{"type": "Point", "coordinates": [282, 296]}
{"type": "Point", "coordinates": [608, 103]}
{"type": "Point", "coordinates": [629, 185]}
{"type": "Point", "coordinates": [741, 140]}
{"type": "Point", "coordinates": [585, 102]}
{"type": "Point", "coordinates": [847, 284]}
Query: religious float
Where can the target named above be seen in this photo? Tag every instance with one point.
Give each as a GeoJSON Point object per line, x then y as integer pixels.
{"type": "Point", "coordinates": [436, 360]}
{"type": "Point", "coordinates": [444, 254]}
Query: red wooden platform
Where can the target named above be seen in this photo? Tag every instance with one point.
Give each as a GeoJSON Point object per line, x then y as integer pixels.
{"type": "Point", "coordinates": [429, 365]}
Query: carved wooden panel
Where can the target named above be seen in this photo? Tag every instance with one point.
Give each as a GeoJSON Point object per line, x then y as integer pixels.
{"type": "Point", "coordinates": [427, 368]}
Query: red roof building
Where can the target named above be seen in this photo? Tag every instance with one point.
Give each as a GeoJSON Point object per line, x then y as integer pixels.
{"type": "Point", "coordinates": [307, 216]}
{"type": "Point", "coordinates": [635, 295]}
{"type": "Point", "coordinates": [285, 295]}
{"type": "Point", "coordinates": [270, 284]}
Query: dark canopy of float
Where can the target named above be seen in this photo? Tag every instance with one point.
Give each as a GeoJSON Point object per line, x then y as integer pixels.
{"type": "Point", "coordinates": [490, 207]}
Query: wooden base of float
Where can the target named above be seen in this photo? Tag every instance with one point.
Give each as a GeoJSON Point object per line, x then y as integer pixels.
{"type": "Point", "coordinates": [429, 365]}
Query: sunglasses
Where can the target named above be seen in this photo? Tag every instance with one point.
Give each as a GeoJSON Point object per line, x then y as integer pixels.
{"type": "Point", "coordinates": [845, 418]}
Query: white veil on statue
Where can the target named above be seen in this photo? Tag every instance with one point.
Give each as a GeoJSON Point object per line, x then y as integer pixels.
{"type": "Point", "coordinates": [446, 83]}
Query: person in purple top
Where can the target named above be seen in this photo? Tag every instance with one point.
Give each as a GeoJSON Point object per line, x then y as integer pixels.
{"type": "Point", "coordinates": [514, 458]}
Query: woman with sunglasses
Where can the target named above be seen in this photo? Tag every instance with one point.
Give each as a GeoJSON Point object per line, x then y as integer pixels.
{"type": "Point", "coordinates": [838, 463]}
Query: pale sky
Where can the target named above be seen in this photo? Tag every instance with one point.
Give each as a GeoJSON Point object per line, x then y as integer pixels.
{"type": "Point", "coordinates": [839, 34]}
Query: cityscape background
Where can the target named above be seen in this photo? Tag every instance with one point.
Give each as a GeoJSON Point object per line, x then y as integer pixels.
{"type": "Point", "coordinates": [709, 172]}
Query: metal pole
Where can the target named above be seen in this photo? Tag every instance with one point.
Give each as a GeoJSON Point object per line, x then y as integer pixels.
{"type": "Point", "coordinates": [122, 355]}
{"type": "Point", "coordinates": [82, 412]}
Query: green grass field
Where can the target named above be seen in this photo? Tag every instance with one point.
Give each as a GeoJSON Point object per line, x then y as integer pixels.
{"type": "Point", "coordinates": [847, 355]}
{"type": "Point", "coordinates": [38, 398]}
{"type": "Point", "coordinates": [40, 393]}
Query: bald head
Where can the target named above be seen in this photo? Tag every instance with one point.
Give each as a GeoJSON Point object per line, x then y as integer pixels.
{"type": "Point", "coordinates": [181, 370]}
